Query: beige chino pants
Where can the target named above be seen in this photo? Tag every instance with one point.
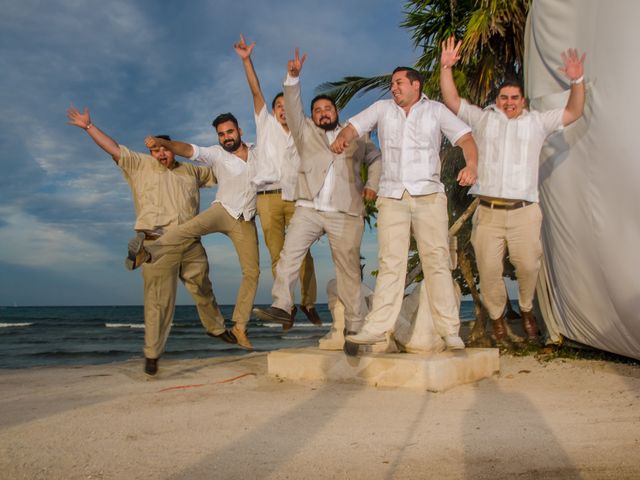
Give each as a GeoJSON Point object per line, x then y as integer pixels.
{"type": "Point", "coordinates": [189, 263]}
{"type": "Point", "coordinates": [275, 215]}
{"type": "Point", "coordinates": [245, 240]}
{"type": "Point", "coordinates": [426, 217]}
{"type": "Point", "coordinates": [345, 234]}
{"type": "Point", "coordinates": [494, 232]}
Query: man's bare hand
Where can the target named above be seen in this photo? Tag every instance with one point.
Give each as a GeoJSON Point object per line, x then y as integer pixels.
{"type": "Point", "coordinates": [295, 66]}
{"type": "Point", "coordinates": [369, 194]}
{"type": "Point", "coordinates": [82, 120]}
{"type": "Point", "coordinates": [150, 142]}
{"type": "Point", "coordinates": [242, 49]}
{"type": "Point", "coordinates": [450, 52]}
{"type": "Point", "coordinates": [339, 145]}
{"type": "Point", "coordinates": [573, 64]}
{"type": "Point", "coordinates": [467, 176]}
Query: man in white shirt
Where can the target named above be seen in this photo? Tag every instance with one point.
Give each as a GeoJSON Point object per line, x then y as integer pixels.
{"type": "Point", "coordinates": [509, 141]}
{"type": "Point", "coordinates": [165, 193]}
{"type": "Point", "coordinates": [411, 199]}
{"type": "Point", "coordinates": [329, 192]}
{"type": "Point", "coordinates": [231, 213]}
{"type": "Point", "coordinates": [276, 177]}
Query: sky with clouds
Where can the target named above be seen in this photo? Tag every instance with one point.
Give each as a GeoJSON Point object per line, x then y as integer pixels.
{"type": "Point", "coordinates": [148, 67]}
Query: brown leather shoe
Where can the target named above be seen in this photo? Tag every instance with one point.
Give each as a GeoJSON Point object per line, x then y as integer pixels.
{"type": "Point", "coordinates": [240, 335]}
{"type": "Point", "coordinates": [227, 336]}
{"type": "Point", "coordinates": [499, 329]}
{"type": "Point", "coordinates": [285, 326]}
{"type": "Point", "coordinates": [312, 315]}
{"type": "Point", "coordinates": [529, 324]}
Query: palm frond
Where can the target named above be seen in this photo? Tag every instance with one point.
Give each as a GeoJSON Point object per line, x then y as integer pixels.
{"type": "Point", "coordinates": [344, 90]}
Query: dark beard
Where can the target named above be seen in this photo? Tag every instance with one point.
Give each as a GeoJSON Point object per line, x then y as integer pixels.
{"type": "Point", "coordinates": [233, 146]}
{"type": "Point", "coordinates": [327, 127]}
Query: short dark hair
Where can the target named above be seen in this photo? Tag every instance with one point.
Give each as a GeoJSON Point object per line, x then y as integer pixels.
{"type": "Point", "coordinates": [164, 137]}
{"type": "Point", "coordinates": [322, 96]}
{"type": "Point", "coordinates": [224, 117]}
{"type": "Point", "coordinates": [511, 82]}
{"type": "Point", "coordinates": [273, 102]}
{"type": "Point", "coordinates": [412, 74]}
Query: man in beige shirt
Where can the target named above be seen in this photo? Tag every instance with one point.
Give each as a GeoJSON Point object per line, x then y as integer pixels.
{"type": "Point", "coordinates": [165, 193]}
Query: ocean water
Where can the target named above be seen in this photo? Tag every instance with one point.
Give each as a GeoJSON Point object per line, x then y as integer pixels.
{"type": "Point", "coordinates": [44, 336]}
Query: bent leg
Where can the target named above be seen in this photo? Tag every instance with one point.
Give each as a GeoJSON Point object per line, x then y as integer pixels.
{"type": "Point", "coordinates": [194, 273]}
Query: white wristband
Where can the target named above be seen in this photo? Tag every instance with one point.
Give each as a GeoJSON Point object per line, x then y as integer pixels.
{"type": "Point", "coordinates": [577, 80]}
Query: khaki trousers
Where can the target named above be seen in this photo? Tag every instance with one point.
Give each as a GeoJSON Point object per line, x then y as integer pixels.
{"type": "Point", "coordinates": [426, 217]}
{"type": "Point", "coordinates": [494, 232]}
{"type": "Point", "coordinates": [275, 215]}
{"type": "Point", "coordinates": [245, 240]}
{"type": "Point", "coordinates": [189, 263]}
{"type": "Point", "coordinates": [345, 234]}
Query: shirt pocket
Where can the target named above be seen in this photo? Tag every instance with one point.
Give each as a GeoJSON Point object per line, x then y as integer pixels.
{"type": "Point", "coordinates": [390, 131]}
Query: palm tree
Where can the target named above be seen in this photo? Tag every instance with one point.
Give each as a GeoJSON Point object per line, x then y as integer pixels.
{"type": "Point", "coordinates": [492, 34]}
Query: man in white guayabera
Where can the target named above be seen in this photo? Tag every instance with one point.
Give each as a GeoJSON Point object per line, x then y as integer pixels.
{"type": "Point", "coordinates": [411, 199]}
{"type": "Point", "coordinates": [509, 141]}
{"type": "Point", "coordinates": [276, 179]}
{"type": "Point", "coordinates": [165, 194]}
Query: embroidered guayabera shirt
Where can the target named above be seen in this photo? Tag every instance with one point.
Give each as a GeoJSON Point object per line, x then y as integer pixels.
{"type": "Point", "coordinates": [162, 196]}
{"type": "Point", "coordinates": [410, 143]}
{"type": "Point", "coordinates": [235, 192]}
{"type": "Point", "coordinates": [508, 149]}
{"type": "Point", "coordinates": [278, 160]}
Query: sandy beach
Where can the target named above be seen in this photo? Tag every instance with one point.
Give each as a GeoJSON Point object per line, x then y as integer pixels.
{"type": "Point", "coordinates": [225, 418]}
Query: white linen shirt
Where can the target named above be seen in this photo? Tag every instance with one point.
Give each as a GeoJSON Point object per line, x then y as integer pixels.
{"type": "Point", "coordinates": [509, 149]}
{"type": "Point", "coordinates": [278, 159]}
{"type": "Point", "coordinates": [410, 143]}
{"type": "Point", "coordinates": [322, 201]}
{"type": "Point", "coordinates": [235, 192]}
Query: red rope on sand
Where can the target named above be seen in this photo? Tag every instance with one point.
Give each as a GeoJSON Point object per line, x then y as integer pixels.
{"type": "Point", "coordinates": [183, 387]}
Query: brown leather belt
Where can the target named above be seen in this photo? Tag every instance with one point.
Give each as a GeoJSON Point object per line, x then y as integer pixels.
{"type": "Point", "coordinates": [505, 206]}
{"type": "Point", "coordinates": [265, 192]}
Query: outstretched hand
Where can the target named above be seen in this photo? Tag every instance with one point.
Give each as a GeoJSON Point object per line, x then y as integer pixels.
{"type": "Point", "coordinates": [450, 52]}
{"type": "Point", "coordinates": [82, 120]}
{"type": "Point", "coordinates": [294, 66]}
{"type": "Point", "coordinates": [242, 49]}
{"type": "Point", "coordinates": [573, 64]}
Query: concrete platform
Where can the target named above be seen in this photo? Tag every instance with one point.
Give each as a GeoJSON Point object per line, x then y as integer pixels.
{"type": "Point", "coordinates": [436, 372]}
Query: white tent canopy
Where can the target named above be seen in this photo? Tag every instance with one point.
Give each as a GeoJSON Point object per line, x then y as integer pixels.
{"type": "Point", "coordinates": [589, 289]}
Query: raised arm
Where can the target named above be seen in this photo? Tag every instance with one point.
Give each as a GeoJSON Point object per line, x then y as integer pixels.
{"type": "Point", "coordinates": [292, 96]}
{"type": "Point", "coordinates": [467, 176]}
{"type": "Point", "coordinates": [178, 148]}
{"type": "Point", "coordinates": [104, 141]}
{"type": "Point", "coordinates": [574, 70]}
{"type": "Point", "coordinates": [244, 52]}
{"type": "Point", "coordinates": [448, 58]}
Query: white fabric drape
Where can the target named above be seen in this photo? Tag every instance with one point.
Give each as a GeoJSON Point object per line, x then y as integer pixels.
{"type": "Point", "coordinates": [590, 172]}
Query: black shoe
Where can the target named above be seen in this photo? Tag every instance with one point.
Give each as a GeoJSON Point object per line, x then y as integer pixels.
{"type": "Point", "coordinates": [273, 314]}
{"type": "Point", "coordinates": [312, 315]}
{"type": "Point", "coordinates": [227, 336]}
{"type": "Point", "coordinates": [350, 348]}
{"type": "Point", "coordinates": [151, 366]}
